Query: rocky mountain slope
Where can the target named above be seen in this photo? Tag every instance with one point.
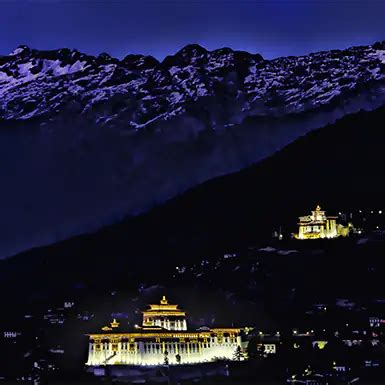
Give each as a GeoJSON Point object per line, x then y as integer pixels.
{"type": "Point", "coordinates": [85, 140]}
{"type": "Point", "coordinates": [339, 167]}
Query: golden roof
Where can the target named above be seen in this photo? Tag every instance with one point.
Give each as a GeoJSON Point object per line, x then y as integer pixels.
{"type": "Point", "coordinates": [165, 313]}
{"type": "Point", "coordinates": [114, 324]}
{"type": "Point", "coordinates": [163, 308]}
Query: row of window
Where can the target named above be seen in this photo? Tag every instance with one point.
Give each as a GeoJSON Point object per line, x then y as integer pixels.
{"type": "Point", "coordinates": [126, 345]}
{"type": "Point", "coordinates": [174, 347]}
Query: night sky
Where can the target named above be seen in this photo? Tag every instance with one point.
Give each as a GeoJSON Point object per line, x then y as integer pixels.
{"type": "Point", "coordinates": [160, 27]}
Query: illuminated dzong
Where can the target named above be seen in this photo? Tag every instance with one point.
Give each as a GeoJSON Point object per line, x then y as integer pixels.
{"type": "Point", "coordinates": [162, 339]}
{"type": "Point", "coordinates": [318, 225]}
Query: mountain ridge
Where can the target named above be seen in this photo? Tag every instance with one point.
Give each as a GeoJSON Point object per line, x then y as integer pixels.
{"type": "Point", "coordinates": [260, 78]}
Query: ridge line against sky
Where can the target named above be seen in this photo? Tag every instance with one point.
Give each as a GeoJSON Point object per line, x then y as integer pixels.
{"type": "Point", "coordinates": [190, 44]}
{"type": "Point", "coordinates": [160, 28]}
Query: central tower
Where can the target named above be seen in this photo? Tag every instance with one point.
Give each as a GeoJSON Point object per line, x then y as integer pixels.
{"type": "Point", "coordinates": [165, 315]}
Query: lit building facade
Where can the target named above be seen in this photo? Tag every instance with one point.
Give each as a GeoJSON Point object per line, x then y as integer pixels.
{"type": "Point", "coordinates": [162, 339]}
{"type": "Point", "coordinates": [318, 225]}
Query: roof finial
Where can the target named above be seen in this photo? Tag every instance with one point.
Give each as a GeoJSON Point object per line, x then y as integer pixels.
{"type": "Point", "coordinates": [114, 323]}
{"type": "Point", "coordinates": [318, 208]}
{"type": "Point", "coordinates": [163, 301]}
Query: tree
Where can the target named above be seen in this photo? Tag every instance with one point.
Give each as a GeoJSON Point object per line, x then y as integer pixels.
{"type": "Point", "coordinates": [238, 354]}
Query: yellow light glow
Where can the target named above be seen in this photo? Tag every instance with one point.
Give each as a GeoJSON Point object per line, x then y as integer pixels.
{"type": "Point", "coordinates": [164, 327]}
{"type": "Point", "coordinates": [114, 323]}
{"type": "Point", "coordinates": [318, 226]}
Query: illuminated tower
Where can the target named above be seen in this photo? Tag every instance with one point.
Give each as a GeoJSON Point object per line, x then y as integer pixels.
{"type": "Point", "coordinates": [165, 315]}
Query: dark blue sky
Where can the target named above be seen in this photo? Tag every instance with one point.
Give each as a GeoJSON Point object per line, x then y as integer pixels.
{"type": "Point", "coordinates": [159, 27]}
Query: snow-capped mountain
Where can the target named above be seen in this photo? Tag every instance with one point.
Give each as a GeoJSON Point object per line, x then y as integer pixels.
{"type": "Point", "coordinates": [84, 139]}
{"type": "Point", "coordinates": [139, 91]}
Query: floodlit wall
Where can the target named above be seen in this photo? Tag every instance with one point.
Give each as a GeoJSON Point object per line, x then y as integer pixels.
{"type": "Point", "coordinates": [151, 353]}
